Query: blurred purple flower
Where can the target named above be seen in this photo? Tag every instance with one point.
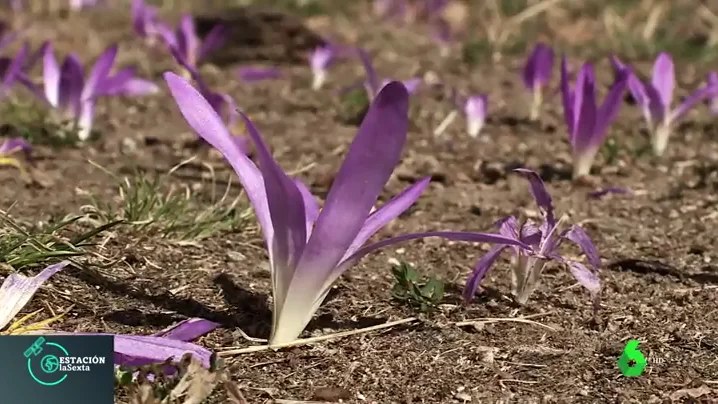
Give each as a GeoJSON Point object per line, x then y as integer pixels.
{"type": "Point", "coordinates": [319, 61]}
{"type": "Point", "coordinates": [656, 98]}
{"type": "Point", "coordinates": [475, 109]}
{"type": "Point", "coordinates": [187, 48]}
{"type": "Point", "coordinates": [147, 24]}
{"type": "Point", "coordinates": [537, 74]}
{"type": "Point", "coordinates": [11, 71]}
{"type": "Point", "coordinates": [587, 122]}
{"type": "Point", "coordinates": [67, 90]}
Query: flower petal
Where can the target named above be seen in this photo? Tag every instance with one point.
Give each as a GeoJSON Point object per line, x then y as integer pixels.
{"type": "Point", "coordinates": [586, 110]}
{"type": "Point", "coordinates": [139, 350]}
{"type": "Point", "coordinates": [85, 119]}
{"type": "Point", "coordinates": [99, 72]}
{"type": "Point", "coordinates": [72, 80]}
{"type": "Point", "coordinates": [541, 196]}
{"type": "Point", "coordinates": [214, 39]}
{"type": "Point", "coordinates": [207, 124]}
{"type": "Point", "coordinates": [17, 290]}
{"type": "Point", "coordinates": [663, 78]}
{"type": "Point", "coordinates": [585, 276]}
{"type": "Point", "coordinates": [580, 238]}
{"type": "Point", "coordinates": [480, 270]}
{"type": "Point", "coordinates": [51, 76]}
{"type": "Point", "coordinates": [188, 330]}
{"type": "Point", "coordinates": [357, 185]}
{"type": "Point", "coordinates": [311, 206]}
{"type": "Point", "coordinates": [388, 212]}
{"type": "Point", "coordinates": [372, 80]}
{"type": "Point", "coordinates": [15, 67]}
{"type": "Point", "coordinates": [287, 212]}
{"type": "Point", "coordinates": [698, 96]}
{"type": "Point", "coordinates": [567, 98]}
{"type": "Point", "coordinates": [609, 109]}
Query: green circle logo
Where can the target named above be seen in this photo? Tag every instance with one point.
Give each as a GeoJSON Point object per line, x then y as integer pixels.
{"type": "Point", "coordinates": [50, 364]}
{"type": "Point", "coordinates": [45, 369]}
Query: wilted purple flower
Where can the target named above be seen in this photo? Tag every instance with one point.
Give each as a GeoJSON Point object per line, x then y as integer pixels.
{"type": "Point", "coordinates": [17, 290]}
{"type": "Point", "coordinates": [10, 148]}
{"type": "Point", "coordinates": [309, 248]}
{"type": "Point", "coordinates": [66, 89]}
{"type": "Point", "coordinates": [656, 99]}
{"type": "Point", "coordinates": [588, 122]}
{"type": "Point", "coordinates": [712, 81]}
{"type": "Point", "coordinates": [146, 23]}
{"type": "Point", "coordinates": [537, 74]}
{"type": "Point", "coordinates": [188, 48]}
{"type": "Point", "coordinates": [373, 85]}
{"type": "Point", "coordinates": [11, 71]}
{"type": "Point", "coordinates": [319, 60]}
{"type": "Point", "coordinates": [252, 74]}
{"type": "Point", "coordinates": [542, 243]}
{"type": "Point", "coordinates": [475, 110]}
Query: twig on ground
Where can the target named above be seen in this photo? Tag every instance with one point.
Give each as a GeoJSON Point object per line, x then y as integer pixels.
{"type": "Point", "coordinates": [304, 341]}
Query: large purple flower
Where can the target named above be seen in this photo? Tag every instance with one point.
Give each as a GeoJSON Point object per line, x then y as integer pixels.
{"type": "Point", "coordinates": [309, 248]}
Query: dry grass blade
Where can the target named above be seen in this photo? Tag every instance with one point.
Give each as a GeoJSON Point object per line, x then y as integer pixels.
{"type": "Point", "coordinates": [231, 351]}
{"type": "Point", "coordinates": [522, 319]}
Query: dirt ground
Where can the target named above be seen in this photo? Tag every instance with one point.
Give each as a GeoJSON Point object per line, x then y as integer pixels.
{"type": "Point", "coordinates": [658, 245]}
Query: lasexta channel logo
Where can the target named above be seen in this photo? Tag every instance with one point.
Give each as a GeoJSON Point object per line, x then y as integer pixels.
{"type": "Point", "coordinates": [57, 369]}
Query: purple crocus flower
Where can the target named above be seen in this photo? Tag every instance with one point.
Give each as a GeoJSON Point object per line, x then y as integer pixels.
{"type": "Point", "coordinates": [11, 71]}
{"type": "Point", "coordinates": [543, 244]}
{"type": "Point", "coordinates": [475, 110]}
{"type": "Point", "coordinates": [537, 74]}
{"type": "Point", "coordinates": [309, 248]}
{"type": "Point", "coordinates": [319, 60]}
{"type": "Point", "coordinates": [656, 98]}
{"type": "Point", "coordinates": [588, 122]}
{"type": "Point", "coordinates": [712, 81]}
{"type": "Point", "coordinates": [66, 89]}
{"type": "Point", "coordinates": [147, 24]}
{"type": "Point", "coordinates": [188, 48]}
{"type": "Point", "coordinates": [373, 84]}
